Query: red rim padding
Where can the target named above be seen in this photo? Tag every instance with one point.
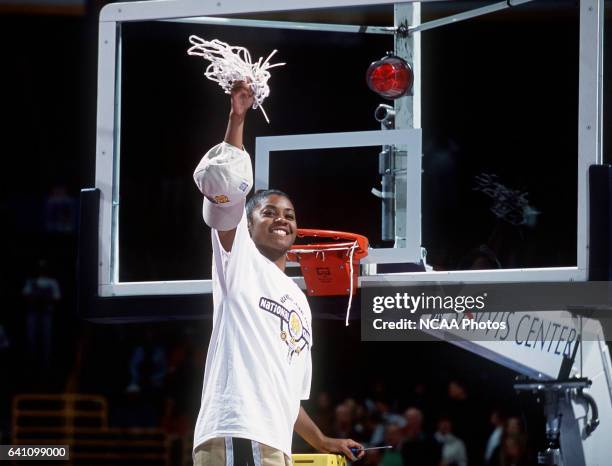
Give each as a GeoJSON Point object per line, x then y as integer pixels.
{"type": "Point", "coordinates": [343, 238]}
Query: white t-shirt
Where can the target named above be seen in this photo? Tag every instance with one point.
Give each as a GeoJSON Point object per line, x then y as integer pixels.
{"type": "Point", "coordinates": [258, 366]}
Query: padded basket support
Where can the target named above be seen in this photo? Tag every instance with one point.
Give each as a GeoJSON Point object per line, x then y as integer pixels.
{"type": "Point", "coordinates": [326, 267]}
{"type": "Point", "coordinates": [328, 273]}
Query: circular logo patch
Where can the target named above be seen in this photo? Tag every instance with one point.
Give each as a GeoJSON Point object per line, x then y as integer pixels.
{"type": "Point", "coordinates": [295, 326]}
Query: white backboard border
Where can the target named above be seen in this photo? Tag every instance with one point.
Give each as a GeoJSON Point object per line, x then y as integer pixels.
{"type": "Point", "coordinates": [590, 137]}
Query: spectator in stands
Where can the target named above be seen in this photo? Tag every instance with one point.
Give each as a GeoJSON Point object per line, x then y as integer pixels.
{"type": "Point", "coordinates": [359, 420]}
{"type": "Point", "coordinates": [492, 450]}
{"type": "Point", "coordinates": [418, 448]}
{"type": "Point", "coordinates": [148, 364]}
{"type": "Point", "coordinates": [393, 437]}
{"type": "Point", "coordinates": [374, 429]}
{"type": "Point", "coordinates": [458, 402]}
{"type": "Point", "coordinates": [463, 411]}
{"type": "Point", "coordinates": [379, 400]}
{"type": "Point", "coordinates": [514, 444]}
{"type": "Point", "coordinates": [351, 404]}
{"type": "Point", "coordinates": [513, 426]}
{"type": "Point", "coordinates": [453, 448]}
{"type": "Point", "coordinates": [42, 293]}
{"type": "Point", "coordinates": [383, 406]}
{"type": "Point", "coordinates": [343, 422]}
{"type": "Point", "coordinates": [514, 452]}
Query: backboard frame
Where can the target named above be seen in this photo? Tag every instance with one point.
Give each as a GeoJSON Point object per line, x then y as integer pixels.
{"type": "Point", "coordinates": [590, 140]}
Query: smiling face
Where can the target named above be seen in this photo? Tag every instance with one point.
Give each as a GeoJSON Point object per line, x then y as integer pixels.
{"type": "Point", "coordinates": [273, 226]}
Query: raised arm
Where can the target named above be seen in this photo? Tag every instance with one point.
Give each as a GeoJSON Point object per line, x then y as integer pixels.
{"type": "Point", "coordinates": [241, 101]}
{"type": "Point", "coordinates": [308, 430]}
{"type": "Point", "coordinates": [225, 173]}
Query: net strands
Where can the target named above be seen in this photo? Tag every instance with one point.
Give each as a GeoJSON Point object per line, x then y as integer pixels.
{"type": "Point", "coordinates": [229, 64]}
{"type": "Point", "coordinates": [319, 248]}
{"type": "Point", "coordinates": [351, 251]}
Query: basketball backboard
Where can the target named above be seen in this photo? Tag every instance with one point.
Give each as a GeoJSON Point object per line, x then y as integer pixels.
{"type": "Point", "coordinates": [157, 115]}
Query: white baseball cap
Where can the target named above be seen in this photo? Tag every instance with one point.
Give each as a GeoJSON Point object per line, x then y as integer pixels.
{"type": "Point", "coordinates": [225, 177]}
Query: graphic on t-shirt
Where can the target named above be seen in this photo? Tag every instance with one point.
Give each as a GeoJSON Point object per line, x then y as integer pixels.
{"type": "Point", "coordinates": [292, 329]}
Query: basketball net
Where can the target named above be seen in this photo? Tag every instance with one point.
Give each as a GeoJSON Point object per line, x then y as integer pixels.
{"type": "Point", "coordinates": [326, 267]}
{"type": "Point", "coordinates": [229, 64]}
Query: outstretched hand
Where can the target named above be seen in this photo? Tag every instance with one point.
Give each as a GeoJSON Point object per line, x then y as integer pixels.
{"type": "Point", "coordinates": [342, 445]}
{"type": "Point", "coordinates": [242, 98]}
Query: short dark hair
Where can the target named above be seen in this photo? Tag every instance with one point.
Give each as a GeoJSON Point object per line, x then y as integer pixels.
{"type": "Point", "coordinates": [258, 197]}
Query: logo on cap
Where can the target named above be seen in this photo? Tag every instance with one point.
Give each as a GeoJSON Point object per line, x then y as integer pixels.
{"type": "Point", "coordinates": [221, 199]}
{"type": "Point", "coordinates": [243, 186]}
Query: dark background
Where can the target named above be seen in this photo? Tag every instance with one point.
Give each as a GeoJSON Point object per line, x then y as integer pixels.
{"type": "Point", "coordinates": [499, 96]}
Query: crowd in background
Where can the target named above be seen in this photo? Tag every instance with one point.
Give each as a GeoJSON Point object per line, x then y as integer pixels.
{"type": "Point", "coordinates": [152, 374]}
{"type": "Point", "coordinates": [447, 432]}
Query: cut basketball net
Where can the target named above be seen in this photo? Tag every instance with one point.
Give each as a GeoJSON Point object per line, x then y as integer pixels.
{"type": "Point", "coordinates": [229, 64]}
{"type": "Point", "coordinates": [330, 269]}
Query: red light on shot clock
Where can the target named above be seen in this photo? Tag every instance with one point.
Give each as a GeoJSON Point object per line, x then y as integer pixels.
{"type": "Point", "coordinates": [391, 77]}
